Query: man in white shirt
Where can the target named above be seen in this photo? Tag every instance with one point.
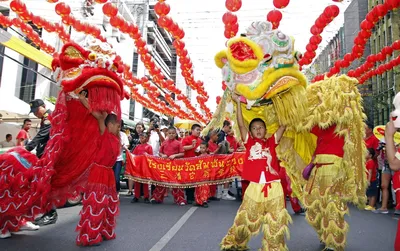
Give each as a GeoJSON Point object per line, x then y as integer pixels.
{"type": "Point", "coordinates": [8, 142]}
{"type": "Point", "coordinates": [156, 137]}
{"type": "Point", "coordinates": [118, 164]}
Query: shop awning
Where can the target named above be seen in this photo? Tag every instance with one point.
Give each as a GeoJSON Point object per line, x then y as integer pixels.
{"type": "Point", "coordinates": [25, 49]}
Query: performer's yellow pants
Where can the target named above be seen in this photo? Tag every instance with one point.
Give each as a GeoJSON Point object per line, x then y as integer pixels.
{"type": "Point", "coordinates": [257, 209]}
{"type": "Point", "coordinates": [325, 200]}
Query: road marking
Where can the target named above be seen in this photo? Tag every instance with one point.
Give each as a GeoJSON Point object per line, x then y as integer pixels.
{"type": "Point", "coordinates": [174, 229]}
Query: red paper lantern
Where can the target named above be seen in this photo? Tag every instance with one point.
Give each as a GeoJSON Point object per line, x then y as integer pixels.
{"type": "Point", "coordinates": [101, 1]}
{"type": "Point", "coordinates": [162, 8]}
{"type": "Point", "coordinates": [315, 40]}
{"type": "Point", "coordinates": [321, 22]}
{"type": "Point", "coordinates": [274, 16]}
{"type": "Point", "coordinates": [164, 21]}
{"type": "Point", "coordinates": [229, 18]}
{"type": "Point", "coordinates": [233, 5]}
{"type": "Point", "coordinates": [218, 99]}
{"type": "Point", "coordinates": [311, 47]}
{"type": "Point", "coordinates": [381, 10]}
{"type": "Point", "coordinates": [110, 9]}
{"type": "Point", "coordinates": [280, 4]}
{"type": "Point", "coordinates": [366, 25]}
{"type": "Point", "coordinates": [348, 57]}
{"type": "Point", "coordinates": [17, 6]}
{"type": "Point", "coordinates": [331, 12]}
{"type": "Point", "coordinates": [52, 1]}
{"type": "Point", "coordinates": [392, 4]}
{"type": "Point", "coordinates": [62, 9]}
{"type": "Point", "coordinates": [315, 30]}
{"type": "Point", "coordinates": [396, 45]}
{"type": "Point", "coordinates": [372, 17]}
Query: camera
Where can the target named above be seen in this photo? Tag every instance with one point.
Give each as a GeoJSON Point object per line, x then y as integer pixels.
{"type": "Point", "coordinates": [155, 125]}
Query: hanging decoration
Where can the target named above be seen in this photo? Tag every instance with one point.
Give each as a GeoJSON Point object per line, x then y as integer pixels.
{"type": "Point", "coordinates": [321, 22]}
{"type": "Point", "coordinates": [280, 4]}
{"type": "Point", "coordinates": [274, 17]}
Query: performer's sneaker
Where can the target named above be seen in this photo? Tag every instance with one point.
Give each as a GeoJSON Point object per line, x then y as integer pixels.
{"type": "Point", "coordinates": [130, 193]}
{"type": "Point", "coordinates": [381, 211]}
{"type": "Point", "coordinates": [205, 205]}
{"type": "Point", "coordinates": [5, 235]}
{"type": "Point", "coordinates": [47, 219]}
{"type": "Point", "coordinates": [29, 226]}
{"type": "Point", "coordinates": [182, 203]}
{"type": "Point", "coordinates": [397, 212]}
{"type": "Point", "coordinates": [213, 198]}
{"type": "Point", "coordinates": [300, 212]}
{"type": "Point", "coordinates": [135, 200]}
{"type": "Point", "coordinates": [329, 249]}
{"type": "Point", "coordinates": [369, 208]}
{"type": "Point", "coordinates": [226, 196]}
{"type": "Point", "coordinates": [146, 200]}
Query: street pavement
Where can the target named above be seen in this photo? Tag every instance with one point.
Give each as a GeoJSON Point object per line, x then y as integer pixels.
{"type": "Point", "coordinates": [168, 227]}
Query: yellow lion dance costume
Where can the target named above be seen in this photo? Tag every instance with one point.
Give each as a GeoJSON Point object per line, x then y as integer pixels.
{"type": "Point", "coordinates": [324, 128]}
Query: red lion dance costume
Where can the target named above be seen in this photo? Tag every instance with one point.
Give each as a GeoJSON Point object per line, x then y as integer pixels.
{"type": "Point", "coordinates": [30, 186]}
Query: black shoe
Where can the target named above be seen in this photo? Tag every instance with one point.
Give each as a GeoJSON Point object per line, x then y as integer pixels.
{"type": "Point", "coordinates": [214, 198]}
{"type": "Point", "coordinates": [189, 202]}
{"type": "Point", "coordinates": [231, 194]}
{"type": "Point", "coordinates": [47, 219]}
{"type": "Point", "coordinates": [205, 205]}
{"type": "Point", "coordinates": [135, 200]}
{"type": "Point", "coordinates": [300, 212]}
{"type": "Point", "coordinates": [146, 200]}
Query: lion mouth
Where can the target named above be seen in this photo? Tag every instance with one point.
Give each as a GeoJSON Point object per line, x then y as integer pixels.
{"type": "Point", "coordinates": [281, 86]}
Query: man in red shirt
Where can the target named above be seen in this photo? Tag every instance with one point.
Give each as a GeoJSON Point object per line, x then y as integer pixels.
{"type": "Point", "coordinates": [171, 149]}
{"type": "Point", "coordinates": [191, 147]}
{"type": "Point", "coordinates": [370, 140]}
{"type": "Point", "coordinates": [23, 134]}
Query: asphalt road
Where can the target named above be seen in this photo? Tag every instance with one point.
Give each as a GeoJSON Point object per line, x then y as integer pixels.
{"type": "Point", "coordinates": [168, 227]}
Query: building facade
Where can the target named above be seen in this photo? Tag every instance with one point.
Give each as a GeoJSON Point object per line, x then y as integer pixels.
{"type": "Point", "coordinates": [385, 86]}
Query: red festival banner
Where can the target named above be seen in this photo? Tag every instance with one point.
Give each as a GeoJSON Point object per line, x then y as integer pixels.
{"type": "Point", "coordinates": [184, 173]}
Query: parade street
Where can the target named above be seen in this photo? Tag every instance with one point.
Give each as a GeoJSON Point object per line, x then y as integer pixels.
{"type": "Point", "coordinates": [168, 227]}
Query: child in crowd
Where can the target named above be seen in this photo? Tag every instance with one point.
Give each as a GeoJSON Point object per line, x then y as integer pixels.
{"type": "Point", "coordinates": [371, 177]}
{"type": "Point", "coordinates": [213, 147]}
{"type": "Point", "coordinates": [142, 149]}
{"type": "Point", "coordinates": [203, 148]}
{"type": "Point", "coordinates": [172, 149]}
{"type": "Point", "coordinates": [264, 201]}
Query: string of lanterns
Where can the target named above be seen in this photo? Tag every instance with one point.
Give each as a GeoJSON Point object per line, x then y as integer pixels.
{"type": "Point", "coordinates": [162, 9]}
{"type": "Point", "coordinates": [327, 16]}
{"type": "Point", "coordinates": [366, 26]}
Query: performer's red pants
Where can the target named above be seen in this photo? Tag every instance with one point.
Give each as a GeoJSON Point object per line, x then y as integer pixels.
{"type": "Point", "coordinates": [201, 194]}
{"type": "Point", "coordinates": [213, 191]}
{"type": "Point", "coordinates": [159, 193]}
{"type": "Point", "coordinates": [287, 190]}
{"type": "Point", "coordinates": [397, 241]}
{"type": "Point", "coordinates": [138, 190]}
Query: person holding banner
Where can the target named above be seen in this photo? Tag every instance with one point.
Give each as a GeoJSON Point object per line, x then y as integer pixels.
{"type": "Point", "coordinates": [142, 149]}
{"type": "Point", "coordinates": [172, 149]}
{"type": "Point", "coordinates": [191, 145]}
{"type": "Point", "coordinates": [264, 201]}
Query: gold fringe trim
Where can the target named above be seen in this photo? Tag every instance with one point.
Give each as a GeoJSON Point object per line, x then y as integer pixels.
{"type": "Point", "coordinates": [177, 185]}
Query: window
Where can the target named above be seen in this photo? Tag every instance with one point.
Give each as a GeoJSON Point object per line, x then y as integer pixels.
{"type": "Point", "coordinates": [132, 109]}
{"type": "Point", "coordinates": [29, 75]}
{"type": "Point", "coordinates": [135, 63]}
{"type": "Point", "coordinates": [4, 12]}
{"type": "Point", "coordinates": [389, 36]}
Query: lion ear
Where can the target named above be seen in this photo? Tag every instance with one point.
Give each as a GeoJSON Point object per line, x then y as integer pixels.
{"type": "Point", "coordinates": [221, 59]}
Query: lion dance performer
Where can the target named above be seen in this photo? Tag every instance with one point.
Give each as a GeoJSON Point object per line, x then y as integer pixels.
{"type": "Point", "coordinates": [29, 186]}
{"type": "Point", "coordinates": [324, 126]}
